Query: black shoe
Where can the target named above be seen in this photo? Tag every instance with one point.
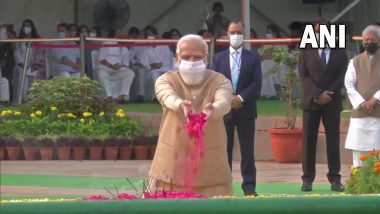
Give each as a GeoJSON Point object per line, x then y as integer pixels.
{"type": "Point", "coordinates": [250, 193]}
{"type": "Point", "coordinates": [337, 187]}
{"type": "Point", "coordinates": [140, 99]}
{"type": "Point", "coordinates": [307, 187]}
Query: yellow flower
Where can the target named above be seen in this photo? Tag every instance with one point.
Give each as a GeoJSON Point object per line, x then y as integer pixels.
{"type": "Point", "coordinates": [81, 120]}
{"type": "Point", "coordinates": [71, 115]}
{"type": "Point", "coordinates": [32, 115]}
{"type": "Point", "coordinates": [87, 114]}
{"type": "Point", "coordinates": [38, 113]}
{"type": "Point", "coordinates": [120, 110]}
{"type": "Point", "coordinates": [60, 115]}
{"type": "Point", "coordinates": [101, 114]}
{"type": "Point", "coordinates": [9, 111]}
{"type": "Point", "coordinates": [120, 114]}
{"type": "Point", "coordinates": [17, 113]}
{"type": "Point", "coordinates": [53, 108]}
{"type": "Point", "coordinates": [4, 113]}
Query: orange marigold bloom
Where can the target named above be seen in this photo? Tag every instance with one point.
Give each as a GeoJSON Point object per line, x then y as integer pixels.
{"type": "Point", "coordinates": [376, 164]}
{"type": "Point", "coordinates": [363, 157]}
{"type": "Point", "coordinates": [377, 170]}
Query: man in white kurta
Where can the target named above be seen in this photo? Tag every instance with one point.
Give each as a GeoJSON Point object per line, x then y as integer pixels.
{"type": "Point", "coordinates": [4, 89]}
{"type": "Point", "coordinates": [114, 73]}
{"type": "Point", "coordinates": [363, 89]}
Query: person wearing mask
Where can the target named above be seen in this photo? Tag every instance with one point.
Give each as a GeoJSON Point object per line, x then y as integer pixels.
{"type": "Point", "coordinates": [83, 31]}
{"type": "Point", "coordinates": [7, 60]}
{"type": "Point", "coordinates": [65, 61]}
{"type": "Point", "coordinates": [322, 77]}
{"type": "Point", "coordinates": [243, 68]}
{"type": "Point", "coordinates": [192, 89]}
{"type": "Point", "coordinates": [114, 73]}
{"type": "Point", "coordinates": [73, 30]}
{"type": "Point", "coordinates": [362, 81]}
{"type": "Point", "coordinates": [217, 23]}
{"type": "Point", "coordinates": [35, 67]}
{"type": "Point", "coordinates": [174, 33]}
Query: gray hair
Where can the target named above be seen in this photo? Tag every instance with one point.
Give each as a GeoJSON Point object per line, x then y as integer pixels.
{"type": "Point", "coordinates": [372, 28]}
{"type": "Point", "coordinates": [192, 37]}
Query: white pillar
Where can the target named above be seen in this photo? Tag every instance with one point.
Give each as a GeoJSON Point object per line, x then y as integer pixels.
{"type": "Point", "coordinates": [246, 17]}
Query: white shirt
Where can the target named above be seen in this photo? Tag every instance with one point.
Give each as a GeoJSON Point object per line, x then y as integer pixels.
{"type": "Point", "coordinates": [327, 52]}
{"type": "Point", "coordinates": [164, 56]}
{"type": "Point", "coordinates": [232, 61]}
{"type": "Point", "coordinates": [113, 55]}
{"type": "Point", "coordinates": [363, 133]}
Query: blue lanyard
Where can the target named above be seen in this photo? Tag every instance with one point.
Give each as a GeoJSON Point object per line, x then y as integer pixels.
{"type": "Point", "coordinates": [236, 61]}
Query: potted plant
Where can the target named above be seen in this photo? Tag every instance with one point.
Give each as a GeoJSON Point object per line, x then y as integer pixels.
{"type": "Point", "coordinates": [95, 149]}
{"type": "Point", "coordinates": [2, 149]}
{"type": "Point", "coordinates": [79, 148]}
{"type": "Point", "coordinates": [141, 147]}
{"type": "Point", "coordinates": [153, 146]}
{"type": "Point", "coordinates": [29, 147]}
{"type": "Point", "coordinates": [63, 148]}
{"type": "Point", "coordinates": [46, 148]}
{"type": "Point", "coordinates": [286, 141]}
{"type": "Point", "coordinates": [126, 148]}
{"type": "Point", "coordinates": [111, 148]}
{"type": "Point", "coordinates": [13, 147]}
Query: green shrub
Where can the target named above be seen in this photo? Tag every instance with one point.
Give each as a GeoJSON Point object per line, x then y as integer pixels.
{"type": "Point", "coordinates": [68, 95]}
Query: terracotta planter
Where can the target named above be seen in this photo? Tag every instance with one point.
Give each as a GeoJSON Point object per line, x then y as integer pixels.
{"type": "Point", "coordinates": [141, 152]}
{"type": "Point", "coordinates": [152, 151]}
{"type": "Point", "coordinates": [95, 152]}
{"type": "Point", "coordinates": [2, 153]}
{"type": "Point", "coordinates": [46, 153]}
{"type": "Point", "coordinates": [78, 152]}
{"type": "Point", "coordinates": [126, 153]}
{"type": "Point", "coordinates": [13, 152]}
{"type": "Point", "coordinates": [111, 152]}
{"type": "Point", "coordinates": [63, 152]}
{"type": "Point", "coordinates": [286, 144]}
{"type": "Point", "coordinates": [29, 152]}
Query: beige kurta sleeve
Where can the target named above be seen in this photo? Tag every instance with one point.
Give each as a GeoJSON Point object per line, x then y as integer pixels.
{"type": "Point", "coordinates": [166, 95]}
{"type": "Point", "coordinates": [222, 99]}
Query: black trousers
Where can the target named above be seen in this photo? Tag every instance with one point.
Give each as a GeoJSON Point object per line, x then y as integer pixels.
{"type": "Point", "coordinates": [246, 133]}
{"type": "Point", "coordinates": [331, 122]}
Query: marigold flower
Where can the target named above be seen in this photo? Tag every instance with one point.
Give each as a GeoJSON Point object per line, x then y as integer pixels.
{"type": "Point", "coordinates": [71, 115]}
{"type": "Point", "coordinates": [101, 114]}
{"type": "Point", "coordinates": [87, 114]}
{"type": "Point", "coordinates": [376, 164]}
{"type": "Point", "coordinates": [9, 111]}
{"type": "Point", "coordinates": [4, 113]}
{"type": "Point", "coordinates": [38, 113]}
{"type": "Point", "coordinates": [81, 120]}
{"type": "Point", "coordinates": [120, 110]}
{"type": "Point", "coordinates": [377, 170]}
{"type": "Point", "coordinates": [363, 157]}
{"type": "Point", "coordinates": [32, 115]}
{"type": "Point", "coordinates": [17, 113]}
{"type": "Point", "coordinates": [120, 114]}
{"type": "Point", "coordinates": [53, 108]}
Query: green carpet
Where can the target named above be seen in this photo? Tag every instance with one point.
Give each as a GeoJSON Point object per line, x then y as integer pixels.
{"type": "Point", "coordinates": [90, 182]}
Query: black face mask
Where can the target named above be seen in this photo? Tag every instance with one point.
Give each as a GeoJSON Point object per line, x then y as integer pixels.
{"type": "Point", "coordinates": [371, 47]}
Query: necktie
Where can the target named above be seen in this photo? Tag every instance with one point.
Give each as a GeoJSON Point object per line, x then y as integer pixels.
{"type": "Point", "coordinates": [235, 69]}
{"type": "Point", "coordinates": [323, 57]}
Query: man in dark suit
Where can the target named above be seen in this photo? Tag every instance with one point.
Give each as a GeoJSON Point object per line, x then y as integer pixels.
{"type": "Point", "coordinates": [322, 73]}
{"type": "Point", "coordinates": [243, 68]}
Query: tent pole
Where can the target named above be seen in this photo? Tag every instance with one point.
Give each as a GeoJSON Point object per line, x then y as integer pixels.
{"type": "Point", "coordinates": [246, 20]}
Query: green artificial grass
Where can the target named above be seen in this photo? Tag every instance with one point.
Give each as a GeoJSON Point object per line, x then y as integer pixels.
{"type": "Point", "coordinates": [90, 182]}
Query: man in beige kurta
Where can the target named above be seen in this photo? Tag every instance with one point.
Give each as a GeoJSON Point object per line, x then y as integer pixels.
{"type": "Point", "coordinates": [192, 88]}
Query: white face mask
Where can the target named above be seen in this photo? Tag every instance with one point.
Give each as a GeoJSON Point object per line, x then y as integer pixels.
{"type": "Point", "coordinates": [236, 40]}
{"type": "Point", "coordinates": [269, 35]}
{"type": "Point", "coordinates": [150, 37]}
{"type": "Point", "coordinates": [92, 34]}
{"type": "Point", "coordinates": [3, 33]}
{"type": "Point", "coordinates": [61, 34]}
{"type": "Point", "coordinates": [192, 73]}
{"type": "Point", "coordinates": [27, 29]}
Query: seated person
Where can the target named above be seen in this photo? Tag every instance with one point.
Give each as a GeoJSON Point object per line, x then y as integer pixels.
{"type": "Point", "coordinates": [113, 71]}
{"type": "Point", "coordinates": [4, 89]}
{"type": "Point", "coordinates": [65, 61]}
